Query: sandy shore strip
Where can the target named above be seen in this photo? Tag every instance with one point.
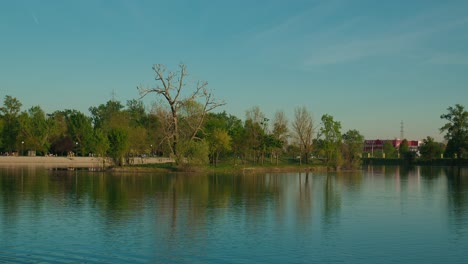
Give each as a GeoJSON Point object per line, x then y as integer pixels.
{"type": "Point", "coordinates": [53, 162]}
{"type": "Point", "coordinates": [72, 162]}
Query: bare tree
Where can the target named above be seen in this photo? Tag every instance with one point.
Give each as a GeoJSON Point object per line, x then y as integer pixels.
{"type": "Point", "coordinates": [303, 127]}
{"type": "Point", "coordinates": [255, 129]}
{"type": "Point", "coordinates": [280, 127]}
{"type": "Point", "coordinates": [172, 86]}
{"type": "Point", "coordinates": [255, 115]}
{"type": "Point", "coordinates": [280, 132]}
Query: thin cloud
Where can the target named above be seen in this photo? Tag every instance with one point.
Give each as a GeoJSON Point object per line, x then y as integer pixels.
{"type": "Point", "coordinates": [398, 40]}
{"type": "Point", "coordinates": [35, 19]}
{"type": "Point", "coordinates": [292, 22]}
{"type": "Point", "coordinates": [449, 59]}
{"type": "Point", "coordinates": [357, 48]}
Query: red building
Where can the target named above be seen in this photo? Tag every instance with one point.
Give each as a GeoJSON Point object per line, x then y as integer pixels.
{"type": "Point", "coordinates": [377, 144]}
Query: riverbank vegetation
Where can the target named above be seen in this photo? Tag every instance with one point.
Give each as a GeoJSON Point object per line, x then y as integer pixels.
{"type": "Point", "coordinates": [182, 124]}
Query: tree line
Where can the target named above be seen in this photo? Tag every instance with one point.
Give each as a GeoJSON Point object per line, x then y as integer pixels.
{"type": "Point", "coordinates": [182, 124]}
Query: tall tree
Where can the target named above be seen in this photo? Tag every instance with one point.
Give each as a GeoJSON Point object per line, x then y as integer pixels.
{"type": "Point", "coordinates": [255, 129]}
{"type": "Point", "coordinates": [118, 145]}
{"type": "Point", "coordinates": [104, 114]}
{"type": "Point", "coordinates": [280, 127]}
{"type": "Point", "coordinates": [280, 132]}
{"type": "Point", "coordinates": [36, 130]}
{"type": "Point", "coordinates": [61, 141]}
{"type": "Point", "coordinates": [353, 143]}
{"type": "Point", "coordinates": [456, 131]}
{"type": "Point", "coordinates": [218, 141]}
{"type": "Point", "coordinates": [9, 113]}
{"type": "Point", "coordinates": [403, 149]}
{"type": "Point", "coordinates": [430, 149]}
{"type": "Point", "coordinates": [330, 132]}
{"type": "Point", "coordinates": [389, 150]}
{"type": "Point", "coordinates": [80, 130]}
{"type": "Point", "coordinates": [100, 143]}
{"type": "Point", "coordinates": [171, 86]}
{"type": "Point", "coordinates": [303, 127]}
{"type": "Point", "coordinates": [237, 132]}
{"type": "Point", "coordinates": [137, 113]}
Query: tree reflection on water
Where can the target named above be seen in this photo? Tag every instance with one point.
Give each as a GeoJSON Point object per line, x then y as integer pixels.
{"type": "Point", "coordinates": [193, 203]}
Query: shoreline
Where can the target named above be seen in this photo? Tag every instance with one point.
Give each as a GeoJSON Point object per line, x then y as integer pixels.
{"type": "Point", "coordinates": [54, 162]}
{"type": "Point", "coordinates": [138, 165]}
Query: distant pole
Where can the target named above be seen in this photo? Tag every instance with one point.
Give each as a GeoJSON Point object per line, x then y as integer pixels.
{"type": "Point", "coordinates": [401, 130]}
{"type": "Point", "coordinates": [22, 147]}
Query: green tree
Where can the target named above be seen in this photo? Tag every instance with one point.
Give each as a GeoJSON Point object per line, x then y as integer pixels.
{"type": "Point", "coordinates": [155, 137]}
{"type": "Point", "coordinates": [100, 143]}
{"type": "Point", "coordinates": [430, 149]}
{"type": "Point", "coordinates": [456, 131]}
{"type": "Point", "coordinates": [118, 145]}
{"type": "Point", "coordinates": [406, 153]}
{"type": "Point", "coordinates": [137, 113]}
{"type": "Point", "coordinates": [389, 150]}
{"type": "Point", "coordinates": [254, 127]}
{"type": "Point", "coordinates": [9, 113]}
{"type": "Point", "coordinates": [331, 136]}
{"type": "Point", "coordinates": [194, 153]}
{"type": "Point", "coordinates": [218, 141]}
{"type": "Point", "coordinates": [60, 140]}
{"type": "Point", "coordinates": [218, 129]}
{"type": "Point", "coordinates": [138, 140]}
{"type": "Point", "coordinates": [104, 114]}
{"type": "Point", "coordinates": [403, 149]}
{"type": "Point", "coordinates": [353, 143]}
{"type": "Point", "coordinates": [80, 130]}
{"type": "Point", "coordinates": [237, 133]}
{"type": "Point", "coordinates": [36, 130]}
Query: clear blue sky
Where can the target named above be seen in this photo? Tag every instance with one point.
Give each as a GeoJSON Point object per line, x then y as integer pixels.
{"type": "Point", "coordinates": [370, 64]}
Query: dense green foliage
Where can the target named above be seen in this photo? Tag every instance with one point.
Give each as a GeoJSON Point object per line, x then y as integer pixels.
{"type": "Point", "coordinates": [119, 131]}
{"type": "Point", "coordinates": [185, 129]}
{"type": "Point", "coordinates": [353, 143]}
{"type": "Point", "coordinates": [457, 131]}
{"type": "Point", "coordinates": [390, 151]}
{"type": "Point", "coordinates": [331, 140]}
{"type": "Point", "coordinates": [430, 149]}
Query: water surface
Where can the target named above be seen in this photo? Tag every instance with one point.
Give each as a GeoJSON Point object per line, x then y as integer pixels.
{"type": "Point", "coordinates": [379, 215]}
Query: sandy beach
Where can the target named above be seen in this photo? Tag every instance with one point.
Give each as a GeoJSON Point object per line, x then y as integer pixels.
{"type": "Point", "coordinates": [53, 162]}
{"type": "Point", "coordinates": [71, 162]}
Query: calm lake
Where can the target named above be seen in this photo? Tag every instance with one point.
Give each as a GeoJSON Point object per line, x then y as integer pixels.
{"type": "Point", "coordinates": [379, 215]}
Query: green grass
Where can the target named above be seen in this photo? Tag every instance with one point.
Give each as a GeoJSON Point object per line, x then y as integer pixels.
{"type": "Point", "coordinates": [234, 166]}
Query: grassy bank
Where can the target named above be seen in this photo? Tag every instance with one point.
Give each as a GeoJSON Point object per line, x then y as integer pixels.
{"type": "Point", "coordinates": [224, 168]}
{"type": "Point", "coordinates": [285, 166]}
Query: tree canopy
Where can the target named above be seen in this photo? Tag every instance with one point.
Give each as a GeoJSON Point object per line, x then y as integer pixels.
{"type": "Point", "coordinates": [182, 125]}
{"type": "Point", "coordinates": [456, 130]}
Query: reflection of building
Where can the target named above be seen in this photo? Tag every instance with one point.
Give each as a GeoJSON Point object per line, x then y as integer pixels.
{"type": "Point", "coordinates": [377, 144]}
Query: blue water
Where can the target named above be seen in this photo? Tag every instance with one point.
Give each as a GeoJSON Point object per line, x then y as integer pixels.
{"type": "Point", "coordinates": [379, 215]}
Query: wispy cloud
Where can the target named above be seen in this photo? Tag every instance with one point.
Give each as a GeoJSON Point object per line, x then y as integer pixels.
{"type": "Point", "coordinates": [405, 36]}
{"type": "Point", "coordinates": [35, 18]}
{"type": "Point", "coordinates": [449, 59]}
{"type": "Point", "coordinates": [296, 21]}
{"type": "Point", "coordinates": [356, 48]}
{"type": "Point", "coordinates": [331, 33]}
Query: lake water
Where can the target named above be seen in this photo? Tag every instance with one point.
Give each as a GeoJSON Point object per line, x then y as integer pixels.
{"type": "Point", "coordinates": [379, 215]}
